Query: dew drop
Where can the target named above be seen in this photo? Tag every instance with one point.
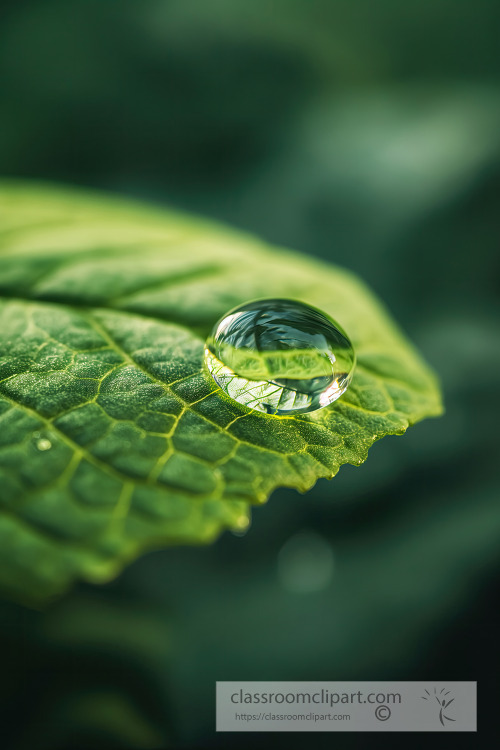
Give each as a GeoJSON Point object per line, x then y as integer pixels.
{"type": "Point", "coordinates": [242, 522]}
{"type": "Point", "coordinates": [242, 525]}
{"type": "Point", "coordinates": [280, 356]}
{"type": "Point", "coordinates": [43, 444]}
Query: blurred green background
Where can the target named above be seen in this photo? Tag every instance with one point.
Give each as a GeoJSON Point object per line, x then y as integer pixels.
{"type": "Point", "coordinates": [363, 133]}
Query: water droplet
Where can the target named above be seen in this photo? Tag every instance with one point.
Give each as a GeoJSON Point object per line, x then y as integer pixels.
{"type": "Point", "coordinates": [43, 444]}
{"type": "Point", "coordinates": [305, 563]}
{"type": "Point", "coordinates": [280, 356]}
{"type": "Point", "coordinates": [242, 525]}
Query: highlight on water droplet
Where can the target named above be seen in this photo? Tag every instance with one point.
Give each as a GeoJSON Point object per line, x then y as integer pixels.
{"type": "Point", "coordinates": [280, 356]}
{"type": "Point", "coordinates": [43, 444]}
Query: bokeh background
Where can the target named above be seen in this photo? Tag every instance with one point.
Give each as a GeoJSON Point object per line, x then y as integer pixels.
{"type": "Point", "coordinates": [363, 133]}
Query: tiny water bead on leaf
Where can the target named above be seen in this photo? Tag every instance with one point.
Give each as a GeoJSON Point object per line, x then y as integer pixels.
{"type": "Point", "coordinates": [280, 356]}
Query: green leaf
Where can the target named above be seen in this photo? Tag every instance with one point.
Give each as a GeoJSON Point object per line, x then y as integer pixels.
{"type": "Point", "coordinates": [289, 363]}
{"type": "Point", "coordinates": [113, 437]}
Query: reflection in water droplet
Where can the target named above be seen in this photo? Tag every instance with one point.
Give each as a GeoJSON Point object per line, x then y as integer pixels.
{"type": "Point", "coordinates": [280, 356]}
{"type": "Point", "coordinates": [43, 444]}
{"type": "Point", "coordinates": [305, 563]}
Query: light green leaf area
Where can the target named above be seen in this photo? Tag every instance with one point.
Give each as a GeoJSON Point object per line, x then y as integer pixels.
{"type": "Point", "coordinates": [293, 364]}
{"type": "Point", "coordinates": [114, 439]}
